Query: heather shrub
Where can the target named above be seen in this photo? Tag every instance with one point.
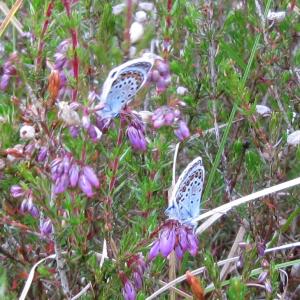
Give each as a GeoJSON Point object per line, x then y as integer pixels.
{"type": "Point", "coordinates": [105, 105]}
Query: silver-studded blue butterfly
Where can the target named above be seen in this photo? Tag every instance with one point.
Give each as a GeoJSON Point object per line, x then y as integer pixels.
{"type": "Point", "coordinates": [122, 84]}
{"type": "Point", "coordinates": [186, 195]}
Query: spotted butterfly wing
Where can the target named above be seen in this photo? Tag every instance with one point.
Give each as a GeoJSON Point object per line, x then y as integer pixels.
{"type": "Point", "coordinates": [122, 84]}
{"type": "Point", "coordinates": [186, 195]}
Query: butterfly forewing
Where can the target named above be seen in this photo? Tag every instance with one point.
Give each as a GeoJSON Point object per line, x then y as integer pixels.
{"type": "Point", "coordinates": [186, 196]}
{"type": "Point", "coordinates": [124, 87]}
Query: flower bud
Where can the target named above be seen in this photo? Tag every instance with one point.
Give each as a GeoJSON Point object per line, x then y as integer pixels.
{"type": "Point", "coordinates": [91, 176]}
{"type": "Point", "coordinates": [136, 138]}
{"type": "Point", "coordinates": [74, 131]}
{"type": "Point", "coordinates": [183, 131]}
{"type": "Point", "coordinates": [128, 291]}
{"type": "Point", "coordinates": [74, 174]}
{"type": "Point", "coordinates": [42, 154]}
{"type": "Point", "coordinates": [16, 191]}
{"type": "Point", "coordinates": [85, 185]}
{"type": "Point", "coordinates": [162, 67]}
{"type": "Point", "coordinates": [153, 251]}
{"type": "Point", "coordinates": [46, 227]}
{"type": "Point", "coordinates": [61, 184]}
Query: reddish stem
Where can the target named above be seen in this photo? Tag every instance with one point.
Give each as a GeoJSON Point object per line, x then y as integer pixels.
{"type": "Point", "coordinates": [167, 37]}
{"type": "Point", "coordinates": [117, 159]}
{"type": "Point", "coordinates": [45, 27]}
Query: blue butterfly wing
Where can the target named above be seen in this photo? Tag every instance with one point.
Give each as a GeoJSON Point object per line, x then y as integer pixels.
{"type": "Point", "coordinates": [187, 193]}
{"type": "Point", "coordinates": [124, 88]}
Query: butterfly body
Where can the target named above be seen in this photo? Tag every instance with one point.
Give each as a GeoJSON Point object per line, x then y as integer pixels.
{"type": "Point", "coordinates": [122, 84]}
{"type": "Point", "coordinates": [186, 195]}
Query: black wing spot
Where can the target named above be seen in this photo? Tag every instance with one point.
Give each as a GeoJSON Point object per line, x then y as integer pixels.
{"type": "Point", "coordinates": [113, 74]}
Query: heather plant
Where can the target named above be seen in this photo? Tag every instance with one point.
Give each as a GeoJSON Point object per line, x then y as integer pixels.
{"type": "Point", "coordinates": [89, 200]}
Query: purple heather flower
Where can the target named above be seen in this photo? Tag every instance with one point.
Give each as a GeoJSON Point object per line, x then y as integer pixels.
{"type": "Point", "coordinates": [183, 131]}
{"type": "Point", "coordinates": [74, 131]}
{"type": "Point", "coordinates": [165, 116]}
{"type": "Point", "coordinates": [28, 206]}
{"type": "Point", "coordinates": [177, 237]}
{"type": "Point", "coordinates": [9, 71]}
{"type": "Point", "coordinates": [91, 176]}
{"type": "Point", "coordinates": [268, 286]}
{"type": "Point", "coordinates": [261, 247]}
{"type": "Point", "coordinates": [61, 55]}
{"type": "Point", "coordinates": [86, 122]}
{"type": "Point", "coordinates": [167, 241]}
{"type": "Point", "coordinates": [4, 82]}
{"type": "Point", "coordinates": [34, 211]}
{"type": "Point", "coordinates": [42, 154]}
{"type": "Point", "coordinates": [60, 61]}
{"type": "Point", "coordinates": [128, 290]}
{"type": "Point", "coordinates": [46, 227]}
{"type": "Point", "coordinates": [74, 174]}
{"type": "Point", "coordinates": [66, 162]}
{"type": "Point", "coordinates": [137, 280]}
{"type": "Point", "coordinates": [193, 243]}
{"type": "Point", "coordinates": [85, 185]}
{"type": "Point", "coordinates": [182, 238]}
{"type": "Point", "coordinates": [61, 183]}
{"type": "Point", "coordinates": [103, 124]}
{"type": "Point", "coordinates": [29, 149]}
{"type": "Point", "coordinates": [155, 76]}
{"type": "Point", "coordinates": [137, 138]}
{"type": "Point", "coordinates": [161, 85]}
{"type": "Point", "coordinates": [154, 251]}
{"type": "Point", "coordinates": [16, 191]}
{"type": "Point", "coordinates": [179, 251]}
{"type": "Point", "coordinates": [162, 67]}
{"type": "Point", "coordinates": [137, 265]}
{"type": "Point", "coordinates": [94, 133]}
{"type": "Point", "coordinates": [66, 172]}
{"type": "Point", "coordinates": [63, 65]}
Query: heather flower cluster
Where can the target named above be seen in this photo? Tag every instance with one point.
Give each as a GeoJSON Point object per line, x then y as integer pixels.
{"type": "Point", "coordinates": [137, 265]}
{"type": "Point", "coordinates": [169, 116]}
{"type": "Point", "coordinates": [68, 113]}
{"type": "Point", "coordinates": [9, 71]}
{"type": "Point", "coordinates": [27, 205]}
{"type": "Point", "coordinates": [63, 66]}
{"type": "Point", "coordinates": [161, 76]}
{"type": "Point", "coordinates": [174, 236]}
{"type": "Point", "coordinates": [67, 172]}
{"type": "Point", "coordinates": [136, 134]}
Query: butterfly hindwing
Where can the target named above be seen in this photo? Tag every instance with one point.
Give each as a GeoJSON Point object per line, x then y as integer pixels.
{"type": "Point", "coordinates": [186, 196]}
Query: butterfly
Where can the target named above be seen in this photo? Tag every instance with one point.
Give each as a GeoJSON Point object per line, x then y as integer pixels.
{"type": "Point", "coordinates": [122, 84]}
{"type": "Point", "coordinates": [186, 195]}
